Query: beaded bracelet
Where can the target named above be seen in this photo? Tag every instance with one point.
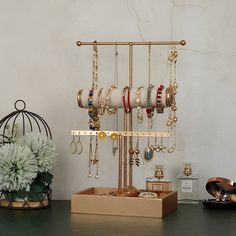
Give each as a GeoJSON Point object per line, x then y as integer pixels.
{"type": "Point", "coordinates": [159, 105]}
{"type": "Point", "coordinates": [94, 123]}
{"type": "Point", "coordinates": [90, 104]}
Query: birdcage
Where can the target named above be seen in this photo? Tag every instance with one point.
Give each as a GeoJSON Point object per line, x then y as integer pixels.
{"type": "Point", "coordinates": [13, 126]}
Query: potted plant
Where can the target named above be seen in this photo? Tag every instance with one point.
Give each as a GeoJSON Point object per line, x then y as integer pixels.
{"type": "Point", "coordinates": [26, 171]}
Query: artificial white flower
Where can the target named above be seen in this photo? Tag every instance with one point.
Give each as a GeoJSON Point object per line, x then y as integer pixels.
{"type": "Point", "coordinates": [43, 149]}
{"type": "Point", "coordinates": [18, 167]}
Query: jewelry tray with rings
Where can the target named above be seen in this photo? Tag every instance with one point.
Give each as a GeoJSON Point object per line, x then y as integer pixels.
{"type": "Point", "coordinates": [106, 201]}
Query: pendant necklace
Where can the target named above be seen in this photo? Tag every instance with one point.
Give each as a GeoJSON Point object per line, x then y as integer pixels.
{"type": "Point", "coordinates": [148, 152]}
{"type": "Point", "coordinates": [115, 121]}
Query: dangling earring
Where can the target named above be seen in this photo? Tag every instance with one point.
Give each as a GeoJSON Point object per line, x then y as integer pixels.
{"type": "Point", "coordinates": [96, 161]}
{"type": "Point", "coordinates": [137, 152]}
{"type": "Point", "coordinates": [79, 146]}
{"type": "Point", "coordinates": [73, 148]}
{"type": "Point", "coordinates": [156, 147]}
{"type": "Point", "coordinates": [131, 154]}
{"type": "Point", "coordinates": [161, 146]}
{"type": "Point", "coordinates": [90, 156]}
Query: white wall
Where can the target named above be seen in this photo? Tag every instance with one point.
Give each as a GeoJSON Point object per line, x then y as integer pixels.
{"type": "Point", "coordinates": [40, 63]}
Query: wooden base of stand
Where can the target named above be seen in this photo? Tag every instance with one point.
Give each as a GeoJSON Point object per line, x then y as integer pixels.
{"type": "Point", "coordinates": [107, 201]}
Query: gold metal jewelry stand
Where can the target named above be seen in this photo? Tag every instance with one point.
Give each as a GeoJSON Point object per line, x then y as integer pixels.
{"type": "Point", "coordinates": [96, 200]}
{"type": "Point", "coordinates": [128, 124]}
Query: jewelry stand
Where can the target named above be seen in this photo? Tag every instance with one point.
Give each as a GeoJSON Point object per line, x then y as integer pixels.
{"type": "Point", "coordinates": [124, 200]}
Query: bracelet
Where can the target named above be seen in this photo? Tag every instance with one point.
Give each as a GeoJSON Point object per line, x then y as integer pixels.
{"type": "Point", "coordinates": [101, 107]}
{"type": "Point", "coordinates": [149, 109]}
{"type": "Point", "coordinates": [94, 123]}
{"type": "Point", "coordinates": [123, 98]}
{"type": "Point", "coordinates": [128, 108]}
{"type": "Point", "coordinates": [90, 104]}
{"type": "Point", "coordinates": [110, 111]}
{"type": "Point", "coordinates": [170, 97]}
{"type": "Point", "coordinates": [159, 105]}
{"type": "Point", "coordinates": [79, 98]}
{"type": "Point", "coordinates": [138, 104]}
{"type": "Point", "coordinates": [129, 104]}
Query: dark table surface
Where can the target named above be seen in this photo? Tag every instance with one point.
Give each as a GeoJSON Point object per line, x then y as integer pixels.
{"type": "Point", "coordinates": [187, 220]}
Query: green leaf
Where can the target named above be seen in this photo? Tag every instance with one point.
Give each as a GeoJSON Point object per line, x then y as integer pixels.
{"type": "Point", "coordinates": [46, 177]}
{"type": "Point", "coordinates": [36, 192]}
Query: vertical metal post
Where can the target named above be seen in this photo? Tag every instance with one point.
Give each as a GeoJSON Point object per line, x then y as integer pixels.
{"type": "Point", "coordinates": [130, 114]}
{"type": "Point", "coordinates": [120, 165]}
{"type": "Point", "coordinates": [125, 152]}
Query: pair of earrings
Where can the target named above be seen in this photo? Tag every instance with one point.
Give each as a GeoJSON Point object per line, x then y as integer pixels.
{"type": "Point", "coordinates": [114, 138]}
{"type": "Point", "coordinates": [159, 147]}
{"type": "Point", "coordinates": [76, 145]}
{"type": "Point", "coordinates": [134, 154]}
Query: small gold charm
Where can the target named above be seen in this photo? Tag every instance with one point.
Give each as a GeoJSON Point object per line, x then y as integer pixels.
{"type": "Point", "coordinates": [102, 135]}
{"type": "Point", "coordinates": [114, 136]}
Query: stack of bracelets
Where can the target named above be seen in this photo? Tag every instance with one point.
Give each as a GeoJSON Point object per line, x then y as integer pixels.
{"type": "Point", "coordinates": [104, 104]}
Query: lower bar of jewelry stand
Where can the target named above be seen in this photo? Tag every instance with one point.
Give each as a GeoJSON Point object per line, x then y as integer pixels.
{"type": "Point", "coordinates": [107, 201]}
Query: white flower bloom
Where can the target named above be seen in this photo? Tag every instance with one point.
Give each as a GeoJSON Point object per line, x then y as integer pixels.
{"type": "Point", "coordinates": [18, 167]}
{"type": "Point", "coordinates": [43, 149]}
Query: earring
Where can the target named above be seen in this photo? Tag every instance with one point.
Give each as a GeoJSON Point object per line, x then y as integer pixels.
{"type": "Point", "coordinates": [131, 154]}
{"type": "Point", "coordinates": [137, 152]}
{"type": "Point", "coordinates": [156, 147]}
{"type": "Point", "coordinates": [161, 146]}
{"type": "Point", "coordinates": [73, 148]}
{"type": "Point", "coordinates": [96, 161]}
{"type": "Point", "coordinates": [90, 156]}
{"type": "Point", "coordinates": [79, 146]}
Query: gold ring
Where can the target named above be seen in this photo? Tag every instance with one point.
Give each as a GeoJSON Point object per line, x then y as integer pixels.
{"type": "Point", "coordinates": [102, 135]}
{"type": "Point", "coordinates": [114, 136]}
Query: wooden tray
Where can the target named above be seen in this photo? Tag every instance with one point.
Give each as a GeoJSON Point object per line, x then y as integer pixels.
{"type": "Point", "coordinates": [97, 201]}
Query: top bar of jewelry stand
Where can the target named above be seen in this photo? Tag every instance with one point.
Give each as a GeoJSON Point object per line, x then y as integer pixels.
{"type": "Point", "coordinates": [181, 42]}
{"type": "Point", "coordinates": [123, 133]}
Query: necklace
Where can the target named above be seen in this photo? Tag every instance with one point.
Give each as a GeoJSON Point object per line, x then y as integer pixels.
{"type": "Point", "coordinates": [115, 121]}
{"type": "Point", "coordinates": [171, 92]}
{"type": "Point", "coordinates": [94, 123]}
{"type": "Point", "coordinates": [148, 151]}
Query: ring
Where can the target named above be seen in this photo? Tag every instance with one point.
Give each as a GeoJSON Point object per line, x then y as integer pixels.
{"type": "Point", "coordinates": [114, 136]}
{"type": "Point", "coordinates": [102, 135]}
